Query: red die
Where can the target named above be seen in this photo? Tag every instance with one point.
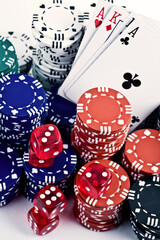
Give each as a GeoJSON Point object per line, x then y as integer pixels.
{"type": "Point", "coordinates": [95, 181]}
{"type": "Point", "coordinates": [39, 224]}
{"type": "Point", "coordinates": [50, 201]}
{"type": "Point", "coordinates": [36, 162]}
{"type": "Point", "coordinates": [46, 141]}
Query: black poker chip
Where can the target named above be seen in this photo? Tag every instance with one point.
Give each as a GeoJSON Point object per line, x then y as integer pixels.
{"type": "Point", "coordinates": [143, 199]}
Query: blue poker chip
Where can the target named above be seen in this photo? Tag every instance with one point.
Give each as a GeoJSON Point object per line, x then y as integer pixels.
{"type": "Point", "coordinates": [29, 193]}
{"type": "Point", "coordinates": [11, 166]}
{"type": "Point", "coordinates": [34, 187]}
{"type": "Point", "coordinates": [61, 111]}
{"type": "Point", "coordinates": [21, 125]}
{"type": "Point", "coordinates": [63, 166]}
{"type": "Point", "coordinates": [9, 191]}
{"type": "Point", "coordinates": [9, 195]}
{"type": "Point", "coordinates": [21, 96]}
{"type": "Point", "coordinates": [15, 144]}
{"type": "Point", "coordinates": [34, 184]}
{"type": "Point", "coordinates": [7, 200]}
{"type": "Point", "coordinates": [6, 190]}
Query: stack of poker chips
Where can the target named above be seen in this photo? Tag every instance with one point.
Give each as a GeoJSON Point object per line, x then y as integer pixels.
{"type": "Point", "coordinates": [98, 203]}
{"type": "Point", "coordinates": [58, 29]}
{"type": "Point", "coordinates": [144, 204]}
{"type": "Point", "coordinates": [61, 112]}
{"type": "Point", "coordinates": [141, 154]}
{"type": "Point", "coordinates": [23, 108]}
{"type": "Point", "coordinates": [11, 166]}
{"type": "Point", "coordinates": [8, 58]}
{"type": "Point", "coordinates": [101, 125]}
{"type": "Point", "coordinates": [24, 46]}
{"type": "Point", "coordinates": [60, 173]}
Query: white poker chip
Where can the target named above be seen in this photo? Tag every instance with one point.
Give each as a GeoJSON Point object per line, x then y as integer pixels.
{"type": "Point", "coordinates": [50, 25]}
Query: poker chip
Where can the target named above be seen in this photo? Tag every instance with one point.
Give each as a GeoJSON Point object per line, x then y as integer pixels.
{"type": "Point", "coordinates": [97, 133]}
{"type": "Point", "coordinates": [8, 58]}
{"type": "Point", "coordinates": [10, 173]}
{"type": "Point", "coordinates": [141, 154]}
{"type": "Point", "coordinates": [141, 232]}
{"type": "Point", "coordinates": [61, 173]}
{"type": "Point", "coordinates": [143, 200]}
{"type": "Point", "coordinates": [20, 115]}
{"type": "Point", "coordinates": [61, 112]}
{"type": "Point", "coordinates": [58, 30]}
{"type": "Point", "coordinates": [103, 212]}
{"type": "Point", "coordinates": [54, 28]}
{"type": "Point", "coordinates": [23, 46]}
{"type": "Point", "coordinates": [7, 200]}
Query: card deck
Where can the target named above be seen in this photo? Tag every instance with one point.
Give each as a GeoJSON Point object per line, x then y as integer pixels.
{"type": "Point", "coordinates": [97, 54]}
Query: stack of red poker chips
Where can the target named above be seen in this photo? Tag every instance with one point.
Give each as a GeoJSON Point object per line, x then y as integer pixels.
{"type": "Point", "coordinates": [141, 154]}
{"type": "Point", "coordinates": [104, 212]}
{"type": "Point", "coordinates": [102, 123]}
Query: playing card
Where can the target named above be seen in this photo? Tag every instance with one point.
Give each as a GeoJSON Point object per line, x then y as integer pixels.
{"type": "Point", "coordinates": [102, 9]}
{"type": "Point", "coordinates": [110, 24]}
{"type": "Point", "coordinates": [131, 66]}
{"type": "Point", "coordinates": [143, 7]}
{"type": "Point", "coordinates": [150, 21]}
{"type": "Point", "coordinates": [119, 28]}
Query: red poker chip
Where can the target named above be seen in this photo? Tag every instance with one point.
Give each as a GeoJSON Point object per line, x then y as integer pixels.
{"type": "Point", "coordinates": [117, 191]}
{"type": "Point", "coordinates": [93, 143]}
{"type": "Point", "coordinates": [82, 152]}
{"type": "Point", "coordinates": [95, 226]}
{"type": "Point", "coordinates": [80, 143]}
{"type": "Point", "coordinates": [108, 215]}
{"type": "Point", "coordinates": [98, 152]}
{"type": "Point", "coordinates": [91, 110]}
{"type": "Point", "coordinates": [99, 211]}
{"type": "Point", "coordinates": [142, 152]}
{"type": "Point", "coordinates": [100, 218]}
{"type": "Point", "coordinates": [89, 132]}
{"type": "Point", "coordinates": [98, 224]}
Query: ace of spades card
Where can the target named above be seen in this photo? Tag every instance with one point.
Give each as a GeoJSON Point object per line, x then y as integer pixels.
{"type": "Point", "coordinates": [131, 66]}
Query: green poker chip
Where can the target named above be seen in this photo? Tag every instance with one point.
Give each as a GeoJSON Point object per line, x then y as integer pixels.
{"type": "Point", "coordinates": [8, 57]}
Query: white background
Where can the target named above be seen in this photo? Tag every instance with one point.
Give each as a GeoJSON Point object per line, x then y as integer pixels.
{"type": "Point", "coordinates": [17, 15]}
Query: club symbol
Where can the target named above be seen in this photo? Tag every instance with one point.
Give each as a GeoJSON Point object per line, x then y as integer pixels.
{"type": "Point", "coordinates": [125, 40]}
{"type": "Point", "coordinates": [135, 119]}
{"type": "Point", "coordinates": [130, 81]}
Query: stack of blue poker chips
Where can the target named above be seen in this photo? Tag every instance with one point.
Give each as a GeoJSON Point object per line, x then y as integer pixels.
{"type": "Point", "coordinates": [61, 173]}
{"type": "Point", "coordinates": [11, 166]}
{"type": "Point", "coordinates": [61, 112]}
{"type": "Point", "coordinates": [23, 107]}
